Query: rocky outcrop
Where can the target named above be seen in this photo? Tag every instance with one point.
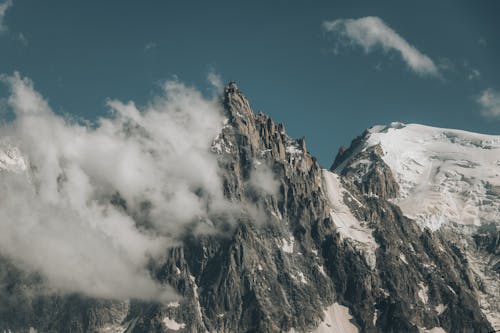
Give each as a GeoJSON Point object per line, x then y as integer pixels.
{"type": "Point", "coordinates": [473, 253]}
{"type": "Point", "coordinates": [367, 171]}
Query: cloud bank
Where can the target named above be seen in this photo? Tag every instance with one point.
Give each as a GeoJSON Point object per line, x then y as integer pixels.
{"type": "Point", "coordinates": [3, 9]}
{"type": "Point", "coordinates": [371, 32]}
{"type": "Point", "coordinates": [490, 103]}
{"type": "Point", "coordinates": [89, 206]}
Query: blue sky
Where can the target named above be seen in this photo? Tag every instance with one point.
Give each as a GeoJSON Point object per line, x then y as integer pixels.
{"type": "Point", "coordinates": [326, 69]}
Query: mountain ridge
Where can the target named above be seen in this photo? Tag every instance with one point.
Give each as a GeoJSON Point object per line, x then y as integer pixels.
{"type": "Point", "coordinates": [311, 251]}
{"type": "Point", "coordinates": [448, 181]}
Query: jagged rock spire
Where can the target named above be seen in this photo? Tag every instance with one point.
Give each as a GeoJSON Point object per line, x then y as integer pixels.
{"type": "Point", "coordinates": [230, 88]}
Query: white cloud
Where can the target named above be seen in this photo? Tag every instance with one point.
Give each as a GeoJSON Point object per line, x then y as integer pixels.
{"type": "Point", "coordinates": [370, 32]}
{"type": "Point", "coordinates": [56, 202]}
{"type": "Point", "coordinates": [474, 74]}
{"type": "Point", "coordinates": [490, 102]}
{"type": "Point", "coordinates": [3, 9]}
{"type": "Point", "coordinates": [264, 180]}
{"type": "Point", "coordinates": [216, 81]}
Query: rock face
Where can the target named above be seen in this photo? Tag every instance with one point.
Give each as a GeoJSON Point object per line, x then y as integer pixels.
{"type": "Point", "coordinates": [448, 181]}
{"type": "Point", "coordinates": [311, 250]}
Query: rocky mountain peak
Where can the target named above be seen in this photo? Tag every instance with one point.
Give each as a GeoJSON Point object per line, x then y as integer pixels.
{"type": "Point", "coordinates": [310, 250]}
{"type": "Point", "coordinates": [427, 162]}
{"type": "Point", "coordinates": [267, 140]}
{"type": "Point", "coordinates": [236, 104]}
{"type": "Point", "coordinates": [446, 180]}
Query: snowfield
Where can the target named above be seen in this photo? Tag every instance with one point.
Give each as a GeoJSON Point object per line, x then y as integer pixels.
{"type": "Point", "coordinates": [347, 225]}
{"type": "Point", "coordinates": [445, 175]}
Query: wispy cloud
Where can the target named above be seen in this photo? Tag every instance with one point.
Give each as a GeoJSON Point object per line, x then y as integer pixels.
{"type": "Point", "coordinates": [150, 46]}
{"type": "Point", "coordinates": [461, 68]}
{"type": "Point", "coordinates": [89, 206]}
{"type": "Point", "coordinates": [215, 81]}
{"type": "Point", "coordinates": [4, 6]}
{"type": "Point", "coordinates": [490, 103]}
{"type": "Point", "coordinates": [370, 32]}
{"type": "Point", "coordinates": [474, 74]}
{"type": "Point", "coordinates": [21, 38]}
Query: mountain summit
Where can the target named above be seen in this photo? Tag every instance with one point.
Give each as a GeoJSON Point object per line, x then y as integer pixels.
{"type": "Point", "coordinates": [448, 182]}
{"type": "Point", "coordinates": [445, 176]}
{"type": "Point", "coordinates": [401, 235]}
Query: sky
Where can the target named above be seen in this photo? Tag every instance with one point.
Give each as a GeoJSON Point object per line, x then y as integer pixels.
{"type": "Point", "coordinates": [326, 69]}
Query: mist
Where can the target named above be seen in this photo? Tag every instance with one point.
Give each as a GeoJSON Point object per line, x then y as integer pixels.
{"type": "Point", "coordinates": [88, 205]}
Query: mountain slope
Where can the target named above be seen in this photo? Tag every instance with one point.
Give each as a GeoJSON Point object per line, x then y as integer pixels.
{"type": "Point", "coordinates": [445, 176]}
{"type": "Point", "coordinates": [448, 181]}
{"type": "Point", "coordinates": [311, 251]}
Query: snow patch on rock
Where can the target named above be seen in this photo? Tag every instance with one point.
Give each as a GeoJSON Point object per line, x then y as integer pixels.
{"type": "Point", "coordinates": [196, 297]}
{"type": "Point", "coordinates": [432, 330]}
{"type": "Point", "coordinates": [321, 269]}
{"type": "Point", "coordinates": [445, 176]}
{"type": "Point", "coordinates": [173, 305]}
{"type": "Point", "coordinates": [172, 324]}
{"type": "Point", "coordinates": [337, 319]}
{"type": "Point", "coordinates": [347, 225]}
{"type": "Point", "coordinates": [423, 293]}
{"type": "Point", "coordinates": [440, 308]}
{"type": "Point", "coordinates": [287, 245]}
{"type": "Point", "coordinates": [403, 258]}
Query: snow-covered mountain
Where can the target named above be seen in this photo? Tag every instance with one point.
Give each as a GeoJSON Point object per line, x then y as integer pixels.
{"type": "Point", "coordinates": [445, 176]}
{"type": "Point", "coordinates": [401, 235]}
{"type": "Point", "coordinates": [448, 181]}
